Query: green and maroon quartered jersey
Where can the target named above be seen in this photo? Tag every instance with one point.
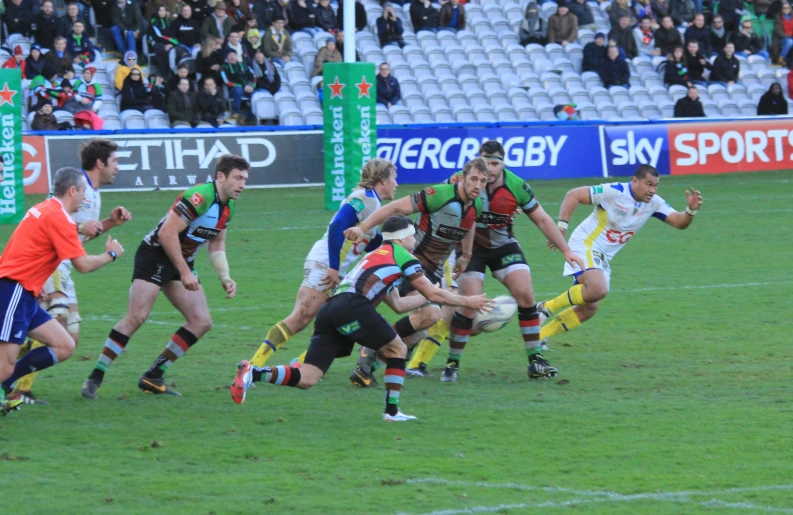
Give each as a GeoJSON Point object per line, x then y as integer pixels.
{"type": "Point", "coordinates": [443, 224]}
{"type": "Point", "coordinates": [494, 225]}
{"type": "Point", "coordinates": [203, 212]}
{"type": "Point", "coordinates": [380, 271]}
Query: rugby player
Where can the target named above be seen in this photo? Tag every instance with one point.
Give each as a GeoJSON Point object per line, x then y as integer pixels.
{"type": "Point", "coordinates": [621, 209]}
{"type": "Point", "coordinates": [331, 256]}
{"type": "Point", "coordinates": [45, 237]}
{"type": "Point", "coordinates": [496, 248]}
{"type": "Point", "coordinates": [59, 299]}
{"type": "Point", "coordinates": [164, 262]}
{"type": "Point", "coordinates": [448, 213]}
{"type": "Point", "coordinates": [349, 316]}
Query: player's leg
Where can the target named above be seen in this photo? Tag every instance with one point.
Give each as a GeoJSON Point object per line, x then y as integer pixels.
{"type": "Point", "coordinates": [471, 282]}
{"type": "Point", "coordinates": [8, 357]}
{"type": "Point", "coordinates": [580, 293]}
{"type": "Point", "coordinates": [23, 388]}
{"type": "Point", "coordinates": [59, 347]}
{"type": "Point", "coordinates": [596, 287]}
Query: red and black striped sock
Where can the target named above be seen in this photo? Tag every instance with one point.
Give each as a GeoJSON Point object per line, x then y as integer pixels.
{"type": "Point", "coordinates": [114, 346]}
{"type": "Point", "coordinates": [458, 337]}
{"type": "Point", "coordinates": [180, 342]}
{"type": "Point", "coordinates": [280, 375]}
{"type": "Point", "coordinates": [394, 379]}
{"type": "Point", "coordinates": [529, 321]}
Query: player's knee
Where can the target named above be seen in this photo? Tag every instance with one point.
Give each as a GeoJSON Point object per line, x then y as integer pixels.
{"type": "Point", "coordinates": [309, 376]}
{"type": "Point", "coordinates": [425, 317]}
{"type": "Point", "coordinates": [135, 320]}
{"type": "Point", "coordinates": [395, 349]}
{"type": "Point", "coordinates": [203, 325]}
{"type": "Point", "coordinates": [525, 299]}
{"type": "Point", "coordinates": [596, 291]}
{"type": "Point", "coordinates": [63, 347]}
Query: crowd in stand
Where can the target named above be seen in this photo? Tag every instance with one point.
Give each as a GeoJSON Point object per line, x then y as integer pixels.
{"type": "Point", "coordinates": [210, 57]}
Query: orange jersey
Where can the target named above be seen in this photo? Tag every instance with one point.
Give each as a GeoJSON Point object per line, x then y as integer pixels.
{"type": "Point", "coordinates": [46, 236]}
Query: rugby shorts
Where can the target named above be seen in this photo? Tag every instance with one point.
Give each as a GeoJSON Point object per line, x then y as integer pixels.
{"type": "Point", "coordinates": [594, 260]}
{"type": "Point", "coordinates": [501, 261]}
{"type": "Point", "coordinates": [20, 312]}
{"type": "Point", "coordinates": [153, 266]}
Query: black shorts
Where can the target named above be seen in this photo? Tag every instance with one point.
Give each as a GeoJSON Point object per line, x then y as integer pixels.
{"type": "Point", "coordinates": [153, 266]}
{"type": "Point", "coordinates": [406, 288]}
{"type": "Point", "coordinates": [497, 259]}
{"type": "Point", "coordinates": [344, 320]}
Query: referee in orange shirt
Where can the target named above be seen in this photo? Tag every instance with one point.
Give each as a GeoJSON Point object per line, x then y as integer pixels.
{"type": "Point", "coordinates": [46, 236]}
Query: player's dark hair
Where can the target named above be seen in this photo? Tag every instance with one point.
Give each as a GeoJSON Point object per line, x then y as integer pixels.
{"type": "Point", "coordinates": [396, 223]}
{"type": "Point", "coordinates": [478, 164]}
{"type": "Point", "coordinates": [376, 170]}
{"type": "Point", "coordinates": [492, 148]}
{"type": "Point", "coordinates": [64, 179]}
{"type": "Point", "coordinates": [645, 170]}
{"type": "Point", "coordinates": [229, 162]}
{"type": "Point", "coordinates": [93, 149]}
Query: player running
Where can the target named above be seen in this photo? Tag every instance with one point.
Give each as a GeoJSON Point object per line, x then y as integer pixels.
{"type": "Point", "coordinates": [45, 237]}
{"type": "Point", "coordinates": [331, 256]}
{"type": "Point", "coordinates": [448, 213]}
{"type": "Point", "coordinates": [621, 209]}
{"type": "Point", "coordinates": [164, 262]}
{"type": "Point", "coordinates": [349, 316]}
{"type": "Point", "coordinates": [59, 299]}
{"type": "Point", "coordinates": [496, 248]}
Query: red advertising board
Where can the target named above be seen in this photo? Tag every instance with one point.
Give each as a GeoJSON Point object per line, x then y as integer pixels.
{"type": "Point", "coordinates": [735, 146]}
{"type": "Point", "coordinates": [36, 173]}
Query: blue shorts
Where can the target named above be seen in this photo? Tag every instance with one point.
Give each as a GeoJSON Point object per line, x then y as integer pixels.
{"type": "Point", "coordinates": [19, 311]}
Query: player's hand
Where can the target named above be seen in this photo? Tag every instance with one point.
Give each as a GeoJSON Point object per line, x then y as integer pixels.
{"type": "Point", "coordinates": [479, 303]}
{"type": "Point", "coordinates": [120, 215]}
{"type": "Point", "coordinates": [553, 247]}
{"type": "Point", "coordinates": [574, 260]}
{"type": "Point", "coordinates": [331, 279]}
{"type": "Point", "coordinates": [460, 266]}
{"type": "Point", "coordinates": [115, 246]}
{"type": "Point", "coordinates": [355, 234]}
{"type": "Point", "coordinates": [93, 228]}
{"type": "Point", "coordinates": [693, 199]}
{"type": "Point", "coordinates": [190, 282]}
{"type": "Point", "coordinates": [230, 287]}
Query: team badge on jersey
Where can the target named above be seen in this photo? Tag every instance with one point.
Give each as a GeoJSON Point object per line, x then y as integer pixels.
{"type": "Point", "coordinates": [196, 199]}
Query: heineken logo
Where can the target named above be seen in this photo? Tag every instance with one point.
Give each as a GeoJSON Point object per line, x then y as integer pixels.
{"type": "Point", "coordinates": [363, 88]}
{"type": "Point", "coordinates": [335, 89]}
{"type": "Point", "coordinates": [7, 95]}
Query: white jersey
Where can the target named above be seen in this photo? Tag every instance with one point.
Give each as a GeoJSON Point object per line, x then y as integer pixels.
{"type": "Point", "coordinates": [90, 208]}
{"type": "Point", "coordinates": [616, 218]}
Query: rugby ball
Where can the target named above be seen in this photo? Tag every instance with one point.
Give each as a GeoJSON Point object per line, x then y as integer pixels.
{"type": "Point", "coordinates": [504, 309]}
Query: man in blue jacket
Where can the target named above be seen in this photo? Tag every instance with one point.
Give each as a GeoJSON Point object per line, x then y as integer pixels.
{"type": "Point", "coordinates": [388, 92]}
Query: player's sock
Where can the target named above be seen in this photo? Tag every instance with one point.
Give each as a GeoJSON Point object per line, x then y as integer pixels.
{"type": "Point", "coordinates": [572, 297]}
{"type": "Point", "coordinates": [430, 345]}
{"type": "Point", "coordinates": [25, 384]}
{"type": "Point", "coordinates": [299, 360]}
{"type": "Point", "coordinates": [114, 346]}
{"type": "Point", "coordinates": [404, 328]}
{"type": "Point", "coordinates": [458, 337]}
{"type": "Point", "coordinates": [276, 337]}
{"type": "Point", "coordinates": [37, 359]}
{"type": "Point", "coordinates": [567, 320]}
{"type": "Point", "coordinates": [180, 342]}
{"type": "Point", "coordinates": [281, 375]}
{"type": "Point", "coordinates": [394, 379]}
{"type": "Point", "coordinates": [529, 321]}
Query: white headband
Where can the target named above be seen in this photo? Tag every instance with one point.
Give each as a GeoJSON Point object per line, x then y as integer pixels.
{"type": "Point", "coordinates": [401, 234]}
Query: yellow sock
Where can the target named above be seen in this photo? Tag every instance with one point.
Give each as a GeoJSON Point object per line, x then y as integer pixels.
{"type": "Point", "coordinates": [567, 320]}
{"type": "Point", "coordinates": [277, 336]}
{"type": "Point", "coordinates": [572, 297]}
{"type": "Point", "coordinates": [26, 383]}
{"type": "Point", "coordinates": [428, 347]}
{"type": "Point", "coordinates": [300, 359]}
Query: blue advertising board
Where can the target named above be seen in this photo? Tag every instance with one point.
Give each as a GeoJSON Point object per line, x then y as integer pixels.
{"type": "Point", "coordinates": [628, 146]}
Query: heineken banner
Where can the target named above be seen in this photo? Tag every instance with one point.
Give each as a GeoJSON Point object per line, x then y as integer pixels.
{"type": "Point", "coordinates": [350, 126]}
{"type": "Point", "coordinates": [12, 201]}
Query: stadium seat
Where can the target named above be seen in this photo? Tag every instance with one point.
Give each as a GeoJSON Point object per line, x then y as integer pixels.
{"type": "Point", "coordinates": [729, 107]}
{"type": "Point", "coordinates": [649, 110]}
{"type": "Point", "coordinates": [156, 119]}
{"type": "Point", "coordinates": [676, 92]}
{"type": "Point", "coordinates": [133, 119]}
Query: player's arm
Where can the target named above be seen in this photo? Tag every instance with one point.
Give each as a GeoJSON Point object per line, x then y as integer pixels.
{"type": "Point", "coordinates": [344, 218]}
{"type": "Point", "coordinates": [402, 304]}
{"type": "Point", "coordinates": [118, 216]}
{"type": "Point", "coordinates": [434, 294]}
{"type": "Point", "coordinates": [87, 264]}
{"type": "Point", "coordinates": [467, 246]}
{"type": "Point", "coordinates": [682, 219]}
{"type": "Point", "coordinates": [169, 239]}
{"type": "Point", "coordinates": [216, 247]}
{"type": "Point", "coordinates": [574, 197]}
{"type": "Point", "coordinates": [403, 206]}
{"type": "Point", "coordinates": [556, 235]}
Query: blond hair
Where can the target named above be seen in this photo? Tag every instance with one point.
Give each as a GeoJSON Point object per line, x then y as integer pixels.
{"type": "Point", "coordinates": [374, 171]}
{"type": "Point", "coordinates": [479, 164]}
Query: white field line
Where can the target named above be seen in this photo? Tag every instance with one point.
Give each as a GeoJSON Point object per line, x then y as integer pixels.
{"type": "Point", "coordinates": [110, 318]}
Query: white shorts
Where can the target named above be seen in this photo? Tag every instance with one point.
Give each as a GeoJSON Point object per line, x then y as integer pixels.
{"type": "Point", "coordinates": [593, 259]}
{"type": "Point", "coordinates": [61, 282]}
{"type": "Point", "coordinates": [313, 274]}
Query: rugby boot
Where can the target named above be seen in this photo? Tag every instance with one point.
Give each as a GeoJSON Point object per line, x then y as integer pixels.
{"type": "Point", "coordinates": [544, 312]}
{"type": "Point", "coordinates": [360, 378]}
{"type": "Point", "coordinates": [7, 406]}
{"type": "Point", "coordinates": [450, 373]}
{"type": "Point", "coordinates": [155, 386]}
{"type": "Point", "coordinates": [399, 417]}
{"type": "Point", "coordinates": [90, 389]}
{"type": "Point", "coordinates": [539, 368]}
{"type": "Point", "coordinates": [420, 371]}
{"type": "Point", "coordinates": [242, 381]}
{"type": "Point", "coordinates": [27, 397]}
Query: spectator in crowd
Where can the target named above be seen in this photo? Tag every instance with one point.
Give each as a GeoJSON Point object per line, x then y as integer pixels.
{"type": "Point", "coordinates": [253, 40]}
{"type": "Point", "coordinates": [645, 40]}
{"type": "Point", "coordinates": [183, 105]}
{"type": "Point", "coordinates": [773, 102]}
{"type": "Point", "coordinates": [614, 71]}
{"type": "Point", "coordinates": [782, 40]}
{"type": "Point", "coordinates": [360, 16]}
{"type": "Point", "coordinates": [452, 16]}
{"type": "Point", "coordinates": [237, 10]}
{"type": "Point", "coordinates": [667, 37]}
{"type": "Point", "coordinates": [562, 25]}
{"type": "Point", "coordinates": [186, 35]}
{"type": "Point", "coordinates": [388, 92]}
{"type": "Point", "coordinates": [134, 92]}
{"type": "Point", "coordinates": [302, 17]}
{"type": "Point", "coordinates": [211, 103]}
{"type": "Point", "coordinates": [172, 84]}
{"type": "Point", "coordinates": [266, 11]}
{"type": "Point", "coordinates": [158, 92]}
{"type": "Point", "coordinates": [326, 18]}
{"type": "Point", "coordinates": [683, 12]}
{"type": "Point", "coordinates": [533, 28]}
{"type": "Point", "coordinates": [127, 64]}
{"type": "Point", "coordinates": [60, 59]}
{"type": "Point", "coordinates": [700, 33]}
{"type": "Point", "coordinates": [251, 22]}
{"type": "Point", "coordinates": [747, 42]}
{"type": "Point", "coordinates": [150, 8]}
{"type": "Point", "coordinates": [239, 82]}
{"type": "Point", "coordinates": [34, 63]}
{"type": "Point", "coordinates": [583, 13]}
{"type": "Point", "coordinates": [209, 60]}
{"type": "Point", "coordinates": [389, 28]}
{"type": "Point", "coordinates": [594, 54]}
{"type": "Point", "coordinates": [72, 15]}
{"type": "Point", "coordinates": [623, 35]}
{"type": "Point", "coordinates": [277, 43]}
{"type": "Point", "coordinates": [44, 120]}
{"type": "Point", "coordinates": [726, 66]}
{"type": "Point", "coordinates": [47, 26]}
{"type": "Point", "coordinates": [159, 34]}
{"type": "Point", "coordinates": [790, 78]}
{"type": "Point", "coordinates": [566, 112]}
{"type": "Point", "coordinates": [327, 54]}
{"type": "Point", "coordinates": [89, 92]}
{"type": "Point", "coordinates": [730, 12]}
{"type": "Point", "coordinates": [675, 71]}
{"type": "Point", "coordinates": [642, 9]}
{"type": "Point", "coordinates": [18, 18]}
{"type": "Point", "coordinates": [689, 106]}
{"type": "Point", "coordinates": [79, 45]}
{"type": "Point", "coordinates": [719, 36]}
{"type": "Point", "coordinates": [696, 64]}
{"type": "Point", "coordinates": [66, 99]}
{"type": "Point", "coordinates": [234, 44]}
{"type": "Point", "coordinates": [661, 8]}
{"type": "Point", "coordinates": [17, 60]}
{"type": "Point", "coordinates": [44, 88]}
{"type": "Point", "coordinates": [761, 7]}
{"type": "Point", "coordinates": [618, 9]}
{"type": "Point", "coordinates": [218, 24]}
{"type": "Point", "coordinates": [340, 45]}
{"type": "Point", "coordinates": [127, 24]}
{"type": "Point", "coordinates": [265, 74]}
{"type": "Point", "coordinates": [424, 16]}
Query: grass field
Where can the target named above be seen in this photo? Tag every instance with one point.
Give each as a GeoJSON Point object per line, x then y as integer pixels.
{"type": "Point", "coordinates": [676, 398]}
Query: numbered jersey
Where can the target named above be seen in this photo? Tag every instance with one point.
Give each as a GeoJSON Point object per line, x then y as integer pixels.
{"type": "Point", "coordinates": [494, 225]}
{"type": "Point", "coordinates": [380, 271]}
{"type": "Point", "coordinates": [443, 224]}
{"type": "Point", "coordinates": [617, 216]}
{"type": "Point", "coordinates": [203, 212]}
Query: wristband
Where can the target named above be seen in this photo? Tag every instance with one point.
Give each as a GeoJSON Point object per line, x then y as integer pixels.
{"type": "Point", "coordinates": [562, 224]}
{"type": "Point", "coordinates": [689, 212]}
{"type": "Point", "coordinates": [113, 254]}
{"type": "Point", "coordinates": [218, 261]}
